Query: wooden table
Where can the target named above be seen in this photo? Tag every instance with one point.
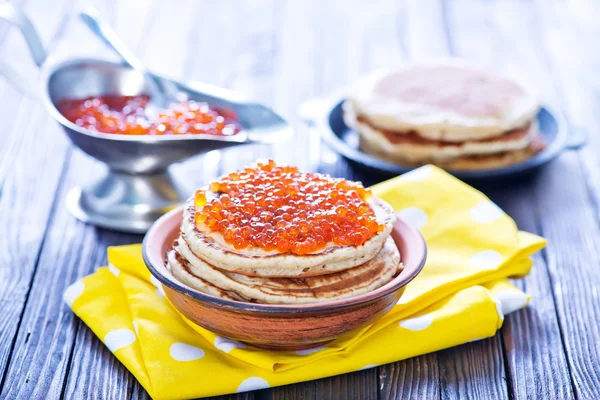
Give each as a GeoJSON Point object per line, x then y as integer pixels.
{"type": "Point", "coordinates": [283, 52]}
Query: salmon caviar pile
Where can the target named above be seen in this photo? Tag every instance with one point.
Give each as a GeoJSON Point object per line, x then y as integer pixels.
{"type": "Point", "coordinates": [279, 208]}
{"type": "Point", "coordinates": [125, 115]}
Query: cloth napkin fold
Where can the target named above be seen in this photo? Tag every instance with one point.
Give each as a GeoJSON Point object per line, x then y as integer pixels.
{"type": "Point", "coordinates": [461, 295]}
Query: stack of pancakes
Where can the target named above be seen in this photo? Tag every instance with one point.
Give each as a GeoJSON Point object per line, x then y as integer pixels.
{"type": "Point", "coordinates": [203, 260]}
{"type": "Point", "coordinates": [449, 114]}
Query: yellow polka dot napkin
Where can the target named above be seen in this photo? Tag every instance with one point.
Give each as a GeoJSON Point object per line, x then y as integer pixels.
{"type": "Point", "coordinates": [461, 295]}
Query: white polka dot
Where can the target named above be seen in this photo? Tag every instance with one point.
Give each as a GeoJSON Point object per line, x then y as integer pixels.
{"type": "Point", "coordinates": [310, 351]}
{"type": "Point", "coordinates": [417, 323]}
{"type": "Point", "coordinates": [159, 289]}
{"type": "Point", "coordinates": [118, 339]}
{"type": "Point", "coordinates": [73, 292]}
{"type": "Point", "coordinates": [226, 345]}
{"type": "Point", "coordinates": [254, 383]}
{"type": "Point", "coordinates": [368, 366]}
{"type": "Point", "coordinates": [136, 327]}
{"type": "Point", "coordinates": [486, 212]}
{"type": "Point", "coordinates": [488, 259]}
{"type": "Point", "coordinates": [499, 309]}
{"type": "Point", "coordinates": [417, 175]}
{"type": "Point", "coordinates": [185, 352]}
{"type": "Point", "coordinates": [115, 271]}
{"type": "Point", "coordinates": [416, 217]}
{"type": "Point", "coordinates": [511, 300]}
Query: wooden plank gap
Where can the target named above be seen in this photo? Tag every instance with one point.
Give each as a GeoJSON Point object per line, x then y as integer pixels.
{"type": "Point", "coordinates": [450, 45]}
{"type": "Point", "coordinates": [510, 385]}
{"type": "Point", "coordinates": [70, 357]}
{"type": "Point", "coordinates": [148, 24]}
{"type": "Point", "coordinates": [379, 382]}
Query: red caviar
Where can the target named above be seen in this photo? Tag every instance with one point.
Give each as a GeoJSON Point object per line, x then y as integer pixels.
{"type": "Point", "coordinates": [126, 115]}
{"type": "Point", "coordinates": [279, 208]}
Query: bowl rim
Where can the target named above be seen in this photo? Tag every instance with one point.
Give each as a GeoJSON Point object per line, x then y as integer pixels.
{"type": "Point", "coordinates": [390, 287]}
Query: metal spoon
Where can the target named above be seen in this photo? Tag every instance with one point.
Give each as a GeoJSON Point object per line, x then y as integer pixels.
{"type": "Point", "coordinates": [160, 95]}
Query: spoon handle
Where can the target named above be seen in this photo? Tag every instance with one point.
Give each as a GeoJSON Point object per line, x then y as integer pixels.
{"type": "Point", "coordinates": [110, 37]}
{"type": "Point", "coordinates": [16, 17]}
{"type": "Point", "coordinates": [24, 84]}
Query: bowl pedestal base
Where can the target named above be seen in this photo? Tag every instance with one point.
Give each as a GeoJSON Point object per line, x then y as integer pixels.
{"type": "Point", "coordinates": [126, 202]}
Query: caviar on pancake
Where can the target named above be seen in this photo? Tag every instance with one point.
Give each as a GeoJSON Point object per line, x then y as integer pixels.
{"type": "Point", "coordinates": [277, 207]}
{"type": "Point", "coordinates": [126, 115]}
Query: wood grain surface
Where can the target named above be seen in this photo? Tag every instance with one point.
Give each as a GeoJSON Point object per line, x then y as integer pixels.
{"type": "Point", "coordinates": [283, 53]}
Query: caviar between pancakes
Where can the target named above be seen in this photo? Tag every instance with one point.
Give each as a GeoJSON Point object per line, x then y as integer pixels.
{"type": "Point", "coordinates": [279, 208]}
{"type": "Point", "coordinates": [126, 115]}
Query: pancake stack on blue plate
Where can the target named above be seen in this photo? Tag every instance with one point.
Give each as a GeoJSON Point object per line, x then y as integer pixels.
{"type": "Point", "coordinates": [451, 114]}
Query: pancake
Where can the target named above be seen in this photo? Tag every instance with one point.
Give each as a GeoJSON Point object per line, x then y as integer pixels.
{"type": "Point", "coordinates": [204, 277]}
{"type": "Point", "coordinates": [179, 267]}
{"type": "Point", "coordinates": [470, 162]}
{"type": "Point", "coordinates": [500, 160]}
{"type": "Point", "coordinates": [413, 148]}
{"type": "Point", "coordinates": [449, 101]}
{"type": "Point", "coordinates": [211, 247]}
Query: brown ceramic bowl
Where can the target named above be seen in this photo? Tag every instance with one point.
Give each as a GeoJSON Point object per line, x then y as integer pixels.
{"type": "Point", "coordinates": [277, 326]}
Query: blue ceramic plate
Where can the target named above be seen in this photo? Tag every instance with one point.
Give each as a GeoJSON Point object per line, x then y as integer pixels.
{"type": "Point", "coordinates": [344, 141]}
